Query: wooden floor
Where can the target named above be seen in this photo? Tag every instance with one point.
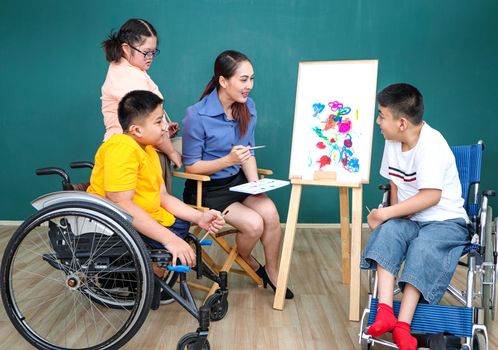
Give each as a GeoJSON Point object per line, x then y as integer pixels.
{"type": "Point", "coordinates": [316, 319]}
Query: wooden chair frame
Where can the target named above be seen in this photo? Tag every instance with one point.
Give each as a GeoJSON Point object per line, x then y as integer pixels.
{"type": "Point", "coordinates": [219, 238]}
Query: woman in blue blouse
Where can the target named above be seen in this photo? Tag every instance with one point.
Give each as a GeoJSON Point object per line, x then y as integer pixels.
{"type": "Point", "coordinates": [218, 132]}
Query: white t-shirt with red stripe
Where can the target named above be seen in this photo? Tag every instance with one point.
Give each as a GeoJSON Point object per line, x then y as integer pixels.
{"type": "Point", "coordinates": [428, 165]}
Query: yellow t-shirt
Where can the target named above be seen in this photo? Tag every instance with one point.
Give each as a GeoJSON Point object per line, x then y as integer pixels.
{"type": "Point", "coordinates": [122, 165]}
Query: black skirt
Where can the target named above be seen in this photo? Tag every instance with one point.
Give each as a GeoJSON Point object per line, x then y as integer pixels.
{"type": "Point", "coordinates": [216, 193]}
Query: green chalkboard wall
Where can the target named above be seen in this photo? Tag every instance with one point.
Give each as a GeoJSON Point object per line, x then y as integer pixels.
{"type": "Point", "coordinates": [52, 68]}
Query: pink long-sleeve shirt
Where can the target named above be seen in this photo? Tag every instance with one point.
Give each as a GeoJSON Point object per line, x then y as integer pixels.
{"type": "Point", "coordinates": [122, 77]}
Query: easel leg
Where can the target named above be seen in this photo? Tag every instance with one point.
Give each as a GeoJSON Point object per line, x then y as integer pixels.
{"type": "Point", "coordinates": [285, 260]}
{"type": "Point", "coordinates": [345, 235]}
{"type": "Point", "coordinates": [354, 291]}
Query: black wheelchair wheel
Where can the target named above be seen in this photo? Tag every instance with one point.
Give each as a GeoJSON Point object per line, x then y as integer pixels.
{"type": "Point", "coordinates": [478, 342]}
{"type": "Point", "coordinates": [189, 342]}
{"type": "Point", "coordinates": [489, 287]}
{"type": "Point", "coordinates": [218, 307]}
{"type": "Point", "coordinates": [60, 274]}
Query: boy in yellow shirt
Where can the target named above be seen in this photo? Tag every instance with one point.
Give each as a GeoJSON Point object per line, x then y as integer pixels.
{"type": "Point", "coordinates": [127, 172]}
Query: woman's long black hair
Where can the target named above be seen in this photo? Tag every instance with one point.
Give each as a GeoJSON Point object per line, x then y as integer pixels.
{"type": "Point", "coordinates": [225, 66]}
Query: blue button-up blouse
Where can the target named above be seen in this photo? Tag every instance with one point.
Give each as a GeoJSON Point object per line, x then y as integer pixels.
{"type": "Point", "coordinates": [208, 134]}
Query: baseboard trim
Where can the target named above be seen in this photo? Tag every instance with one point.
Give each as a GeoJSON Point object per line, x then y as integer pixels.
{"type": "Point", "coordinates": [322, 226]}
{"type": "Point", "coordinates": [302, 225]}
{"type": "Point", "coordinates": [10, 223]}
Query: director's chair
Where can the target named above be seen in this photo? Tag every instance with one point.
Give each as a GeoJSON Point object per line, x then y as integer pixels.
{"type": "Point", "coordinates": [219, 238]}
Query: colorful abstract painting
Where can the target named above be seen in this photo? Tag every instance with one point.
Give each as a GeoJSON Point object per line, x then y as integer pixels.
{"type": "Point", "coordinates": [335, 137]}
{"type": "Point", "coordinates": [333, 121]}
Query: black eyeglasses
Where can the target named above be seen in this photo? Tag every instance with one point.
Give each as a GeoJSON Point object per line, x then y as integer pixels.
{"type": "Point", "coordinates": [148, 54]}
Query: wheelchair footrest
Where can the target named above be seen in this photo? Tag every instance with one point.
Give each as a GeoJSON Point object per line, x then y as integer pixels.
{"type": "Point", "coordinates": [434, 319]}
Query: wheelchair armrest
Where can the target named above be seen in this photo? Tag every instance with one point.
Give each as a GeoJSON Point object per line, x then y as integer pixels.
{"type": "Point", "coordinates": [386, 200]}
{"type": "Point", "coordinates": [489, 193]}
{"type": "Point", "coordinates": [52, 171]}
{"type": "Point", "coordinates": [83, 164]}
{"type": "Point", "coordinates": [66, 181]}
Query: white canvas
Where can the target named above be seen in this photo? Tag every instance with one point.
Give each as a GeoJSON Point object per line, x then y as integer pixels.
{"type": "Point", "coordinates": [334, 119]}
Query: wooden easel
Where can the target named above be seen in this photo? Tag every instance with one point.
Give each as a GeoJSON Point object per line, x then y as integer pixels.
{"type": "Point", "coordinates": [320, 145]}
{"type": "Point", "coordinates": [350, 245]}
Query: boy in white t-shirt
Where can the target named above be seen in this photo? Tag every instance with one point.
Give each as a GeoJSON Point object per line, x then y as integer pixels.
{"type": "Point", "coordinates": [425, 226]}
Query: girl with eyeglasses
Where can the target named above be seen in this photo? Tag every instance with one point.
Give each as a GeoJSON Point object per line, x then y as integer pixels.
{"type": "Point", "coordinates": [130, 53]}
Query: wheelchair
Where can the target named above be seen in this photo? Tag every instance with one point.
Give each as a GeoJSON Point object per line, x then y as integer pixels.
{"type": "Point", "coordinates": [76, 275]}
{"type": "Point", "coordinates": [463, 326]}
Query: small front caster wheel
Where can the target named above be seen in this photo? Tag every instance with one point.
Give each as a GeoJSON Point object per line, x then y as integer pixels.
{"type": "Point", "coordinates": [218, 307]}
{"type": "Point", "coordinates": [192, 341]}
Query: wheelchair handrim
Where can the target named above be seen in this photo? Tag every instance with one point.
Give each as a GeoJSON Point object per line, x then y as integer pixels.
{"type": "Point", "coordinates": [10, 300]}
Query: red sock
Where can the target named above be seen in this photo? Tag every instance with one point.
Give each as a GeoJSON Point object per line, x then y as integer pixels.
{"type": "Point", "coordinates": [402, 337]}
{"type": "Point", "coordinates": [384, 321]}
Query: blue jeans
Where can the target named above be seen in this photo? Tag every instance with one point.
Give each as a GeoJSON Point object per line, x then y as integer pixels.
{"type": "Point", "coordinates": [430, 251]}
{"type": "Point", "coordinates": [180, 228]}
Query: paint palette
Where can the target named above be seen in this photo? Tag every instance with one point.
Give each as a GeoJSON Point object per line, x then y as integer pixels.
{"type": "Point", "coordinates": [260, 186]}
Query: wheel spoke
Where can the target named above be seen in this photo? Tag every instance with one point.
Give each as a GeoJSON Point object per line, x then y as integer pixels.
{"type": "Point", "coordinates": [48, 248]}
{"type": "Point", "coordinates": [110, 272]}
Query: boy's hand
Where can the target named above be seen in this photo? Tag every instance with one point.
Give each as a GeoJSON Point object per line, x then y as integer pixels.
{"type": "Point", "coordinates": [239, 155]}
{"type": "Point", "coordinates": [180, 250]}
{"type": "Point", "coordinates": [212, 221]}
{"type": "Point", "coordinates": [375, 218]}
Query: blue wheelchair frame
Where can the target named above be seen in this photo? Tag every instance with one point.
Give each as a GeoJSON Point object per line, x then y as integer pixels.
{"type": "Point", "coordinates": [443, 324]}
